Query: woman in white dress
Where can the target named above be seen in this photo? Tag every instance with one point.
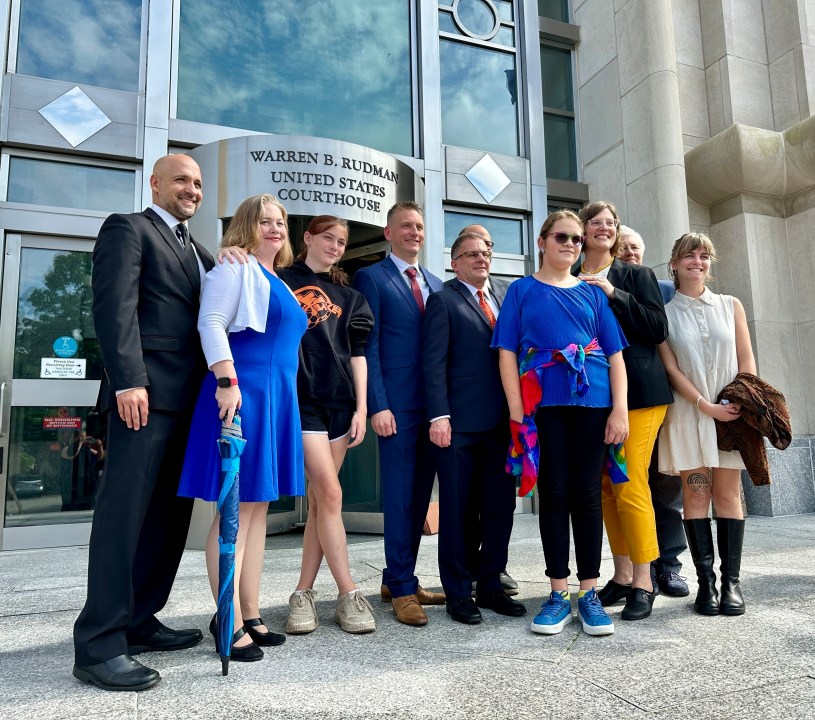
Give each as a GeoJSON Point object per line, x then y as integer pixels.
{"type": "Point", "coordinates": [708, 344]}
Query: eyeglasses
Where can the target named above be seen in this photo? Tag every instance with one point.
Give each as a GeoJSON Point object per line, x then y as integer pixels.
{"type": "Point", "coordinates": [562, 238]}
{"type": "Point", "coordinates": [602, 223]}
{"type": "Point", "coordinates": [474, 254]}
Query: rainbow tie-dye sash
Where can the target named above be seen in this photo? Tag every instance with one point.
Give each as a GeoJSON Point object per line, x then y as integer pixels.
{"type": "Point", "coordinates": [523, 458]}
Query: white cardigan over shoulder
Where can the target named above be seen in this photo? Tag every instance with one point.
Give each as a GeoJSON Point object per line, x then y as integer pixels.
{"type": "Point", "coordinates": [234, 297]}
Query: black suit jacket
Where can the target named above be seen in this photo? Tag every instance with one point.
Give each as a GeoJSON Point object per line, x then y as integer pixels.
{"type": "Point", "coordinates": [145, 312]}
{"type": "Point", "coordinates": [638, 306]}
{"type": "Point", "coordinates": [459, 368]}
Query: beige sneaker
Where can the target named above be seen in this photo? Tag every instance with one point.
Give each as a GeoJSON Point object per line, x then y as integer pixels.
{"type": "Point", "coordinates": [302, 613]}
{"type": "Point", "coordinates": [354, 613]}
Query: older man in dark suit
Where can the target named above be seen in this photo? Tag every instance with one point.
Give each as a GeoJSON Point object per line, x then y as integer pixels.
{"type": "Point", "coordinates": [470, 429]}
{"type": "Point", "coordinates": [146, 284]}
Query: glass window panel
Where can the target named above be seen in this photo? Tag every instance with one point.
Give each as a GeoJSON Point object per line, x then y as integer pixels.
{"type": "Point", "coordinates": [335, 70]}
{"type": "Point", "coordinates": [42, 182]}
{"type": "Point", "coordinates": [56, 456]}
{"type": "Point", "coordinates": [555, 9]}
{"type": "Point", "coordinates": [504, 9]}
{"type": "Point", "coordinates": [94, 42]}
{"type": "Point", "coordinates": [556, 71]}
{"type": "Point", "coordinates": [446, 23]}
{"type": "Point", "coordinates": [478, 94]}
{"type": "Point", "coordinates": [506, 233]}
{"type": "Point", "coordinates": [476, 17]}
{"type": "Point", "coordinates": [54, 301]}
{"type": "Point", "coordinates": [360, 486]}
{"type": "Point", "coordinates": [505, 36]}
{"type": "Point", "coordinates": [561, 157]}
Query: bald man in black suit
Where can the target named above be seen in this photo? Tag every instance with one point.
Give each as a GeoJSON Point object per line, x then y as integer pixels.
{"type": "Point", "coordinates": [146, 284]}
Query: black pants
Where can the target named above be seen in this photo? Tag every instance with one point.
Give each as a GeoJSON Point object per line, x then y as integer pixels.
{"type": "Point", "coordinates": [572, 453]}
{"type": "Point", "coordinates": [137, 538]}
{"type": "Point", "coordinates": [666, 495]}
{"type": "Point", "coordinates": [476, 506]}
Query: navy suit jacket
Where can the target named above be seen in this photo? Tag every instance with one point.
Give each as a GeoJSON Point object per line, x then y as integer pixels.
{"type": "Point", "coordinates": [393, 351]}
{"type": "Point", "coordinates": [459, 368]}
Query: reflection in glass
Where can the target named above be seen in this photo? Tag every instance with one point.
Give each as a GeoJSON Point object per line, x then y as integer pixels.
{"type": "Point", "coordinates": [75, 116]}
{"type": "Point", "coordinates": [446, 23]}
{"type": "Point", "coordinates": [555, 9]}
{"type": "Point", "coordinates": [42, 182]}
{"type": "Point", "coordinates": [556, 69]}
{"type": "Point", "coordinates": [335, 70]}
{"type": "Point", "coordinates": [358, 477]}
{"type": "Point", "coordinates": [505, 36]}
{"type": "Point", "coordinates": [478, 88]}
{"type": "Point", "coordinates": [504, 8]}
{"type": "Point", "coordinates": [476, 17]}
{"type": "Point", "coordinates": [506, 234]}
{"type": "Point", "coordinates": [56, 456]}
{"type": "Point", "coordinates": [54, 301]}
{"type": "Point", "coordinates": [561, 156]}
{"type": "Point", "coordinates": [93, 42]}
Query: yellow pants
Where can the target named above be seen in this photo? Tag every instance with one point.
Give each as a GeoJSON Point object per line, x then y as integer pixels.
{"type": "Point", "coordinates": [628, 512]}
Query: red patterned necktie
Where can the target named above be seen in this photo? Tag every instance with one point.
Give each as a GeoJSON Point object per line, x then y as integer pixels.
{"type": "Point", "coordinates": [414, 286]}
{"type": "Point", "coordinates": [485, 306]}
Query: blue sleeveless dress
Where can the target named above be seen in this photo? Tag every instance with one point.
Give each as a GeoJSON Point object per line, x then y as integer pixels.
{"type": "Point", "coordinates": [266, 365]}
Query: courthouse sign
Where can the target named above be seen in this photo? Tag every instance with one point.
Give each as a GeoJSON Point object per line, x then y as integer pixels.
{"type": "Point", "coordinates": [310, 176]}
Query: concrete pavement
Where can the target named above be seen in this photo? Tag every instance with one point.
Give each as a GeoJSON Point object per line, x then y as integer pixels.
{"type": "Point", "coordinates": [675, 664]}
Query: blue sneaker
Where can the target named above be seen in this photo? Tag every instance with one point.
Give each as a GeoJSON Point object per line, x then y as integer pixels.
{"type": "Point", "coordinates": [555, 614]}
{"type": "Point", "coordinates": [593, 616]}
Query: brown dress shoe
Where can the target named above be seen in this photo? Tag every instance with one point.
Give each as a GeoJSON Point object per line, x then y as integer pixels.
{"type": "Point", "coordinates": [425, 597]}
{"type": "Point", "coordinates": [408, 610]}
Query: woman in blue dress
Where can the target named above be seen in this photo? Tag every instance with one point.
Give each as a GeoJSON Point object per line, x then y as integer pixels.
{"type": "Point", "coordinates": [250, 326]}
{"type": "Point", "coordinates": [563, 374]}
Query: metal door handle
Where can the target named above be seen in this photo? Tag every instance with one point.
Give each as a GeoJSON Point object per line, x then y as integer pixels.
{"type": "Point", "coordinates": [2, 405]}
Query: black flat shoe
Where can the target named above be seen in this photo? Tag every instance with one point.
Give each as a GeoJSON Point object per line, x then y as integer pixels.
{"type": "Point", "coordinates": [638, 605]}
{"type": "Point", "coordinates": [464, 611]}
{"type": "Point", "coordinates": [165, 639]}
{"type": "Point", "coordinates": [501, 603]}
{"type": "Point", "coordinates": [119, 673]}
{"type": "Point", "coordinates": [267, 639]}
{"type": "Point", "coordinates": [612, 593]}
{"type": "Point", "coordinates": [248, 653]}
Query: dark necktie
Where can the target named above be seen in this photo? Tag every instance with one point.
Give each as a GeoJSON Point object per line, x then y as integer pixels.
{"type": "Point", "coordinates": [414, 286]}
{"type": "Point", "coordinates": [485, 306]}
{"type": "Point", "coordinates": [190, 261]}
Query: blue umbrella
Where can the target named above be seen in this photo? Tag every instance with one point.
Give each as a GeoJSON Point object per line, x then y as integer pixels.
{"type": "Point", "coordinates": [230, 446]}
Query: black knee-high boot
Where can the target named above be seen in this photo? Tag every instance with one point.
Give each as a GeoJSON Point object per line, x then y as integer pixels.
{"type": "Point", "coordinates": [700, 543]}
{"type": "Point", "coordinates": [730, 539]}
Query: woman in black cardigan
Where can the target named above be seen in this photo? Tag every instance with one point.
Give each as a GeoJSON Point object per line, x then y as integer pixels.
{"type": "Point", "coordinates": [635, 298]}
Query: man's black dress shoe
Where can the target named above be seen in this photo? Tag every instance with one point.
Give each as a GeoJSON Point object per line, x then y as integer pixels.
{"type": "Point", "coordinates": [119, 673]}
{"type": "Point", "coordinates": [267, 639]}
{"type": "Point", "coordinates": [166, 639]}
{"type": "Point", "coordinates": [612, 592]}
{"type": "Point", "coordinates": [673, 584]}
{"type": "Point", "coordinates": [510, 586]}
{"type": "Point", "coordinates": [464, 611]}
{"type": "Point", "coordinates": [638, 605]}
{"type": "Point", "coordinates": [501, 603]}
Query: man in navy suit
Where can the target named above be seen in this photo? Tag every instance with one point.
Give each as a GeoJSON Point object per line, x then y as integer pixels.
{"type": "Point", "coordinates": [397, 289]}
{"type": "Point", "coordinates": [470, 430]}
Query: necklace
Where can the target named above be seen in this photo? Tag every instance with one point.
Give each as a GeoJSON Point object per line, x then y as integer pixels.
{"type": "Point", "coordinates": [598, 270]}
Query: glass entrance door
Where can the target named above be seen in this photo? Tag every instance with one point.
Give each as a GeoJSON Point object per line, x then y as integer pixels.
{"type": "Point", "coordinates": [51, 439]}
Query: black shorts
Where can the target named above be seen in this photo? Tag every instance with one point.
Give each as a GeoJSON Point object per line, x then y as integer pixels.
{"type": "Point", "coordinates": [320, 420]}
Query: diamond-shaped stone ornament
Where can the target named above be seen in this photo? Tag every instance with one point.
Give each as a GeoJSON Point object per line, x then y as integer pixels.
{"type": "Point", "coordinates": [75, 116]}
{"type": "Point", "coordinates": [487, 178]}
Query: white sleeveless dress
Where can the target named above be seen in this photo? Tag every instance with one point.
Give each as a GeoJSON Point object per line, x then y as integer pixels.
{"type": "Point", "coordinates": [702, 334]}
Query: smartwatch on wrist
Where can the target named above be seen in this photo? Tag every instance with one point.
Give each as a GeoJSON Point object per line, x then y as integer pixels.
{"type": "Point", "coordinates": [225, 382]}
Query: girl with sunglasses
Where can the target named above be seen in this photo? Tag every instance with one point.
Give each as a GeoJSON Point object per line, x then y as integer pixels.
{"type": "Point", "coordinates": [563, 374]}
{"type": "Point", "coordinates": [634, 296]}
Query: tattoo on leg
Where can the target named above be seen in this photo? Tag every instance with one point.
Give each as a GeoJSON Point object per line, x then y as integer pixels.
{"type": "Point", "coordinates": [699, 484]}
